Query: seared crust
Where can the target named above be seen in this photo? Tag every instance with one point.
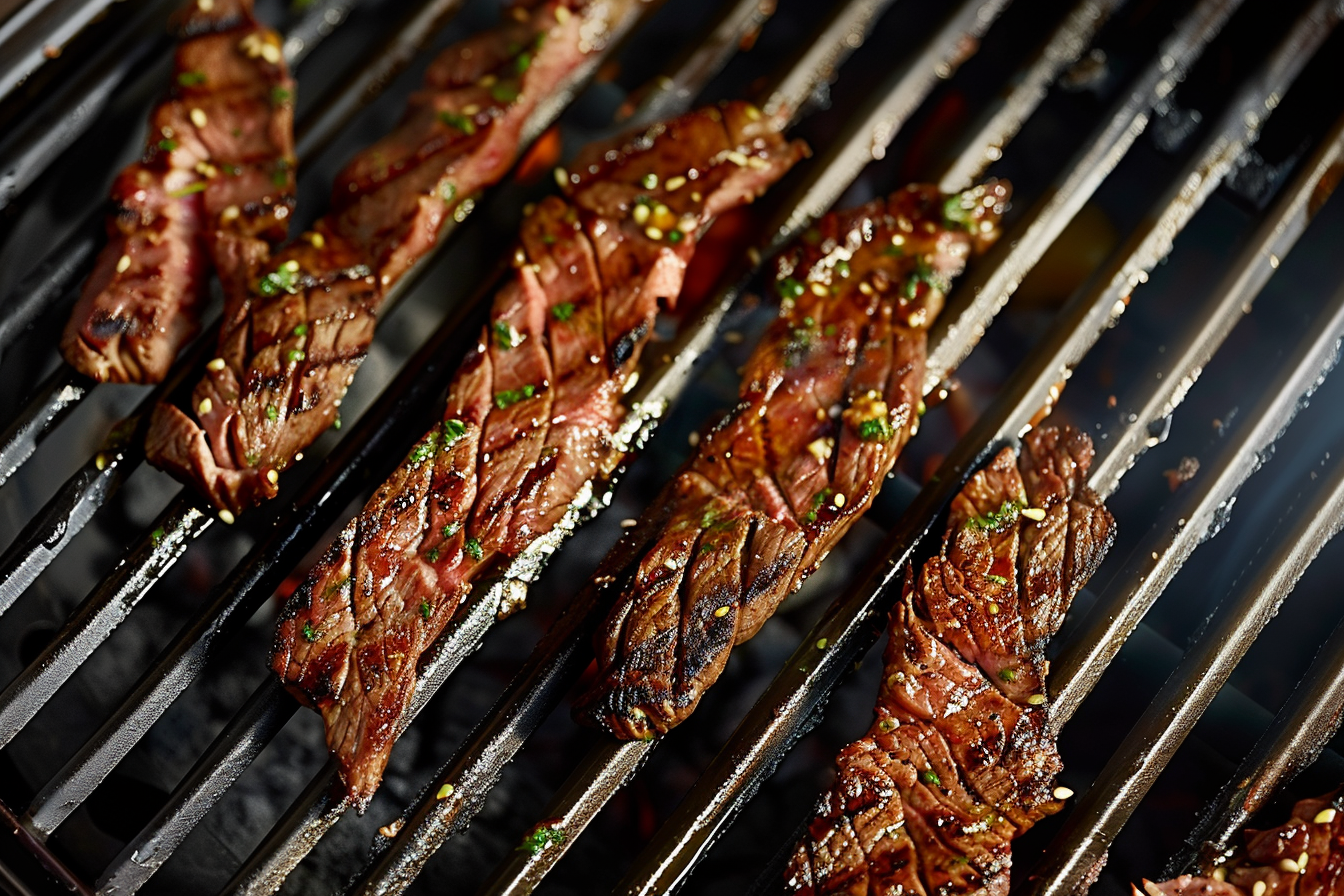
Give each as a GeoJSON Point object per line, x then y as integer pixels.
{"type": "Point", "coordinates": [531, 419]}
{"type": "Point", "coordinates": [828, 400]}
{"type": "Point", "coordinates": [959, 761]}
{"type": "Point", "coordinates": [216, 184]}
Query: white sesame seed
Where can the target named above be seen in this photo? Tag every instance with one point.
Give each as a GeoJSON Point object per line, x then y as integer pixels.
{"type": "Point", "coordinates": [205, 5]}
{"type": "Point", "coordinates": [1036, 699]}
{"type": "Point", "coordinates": [994, 610]}
{"type": "Point", "coordinates": [722, 612]}
{"type": "Point", "coordinates": [675, 183]}
{"type": "Point", "coordinates": [1063, 793]}
{"type": "Point", "coordinates": [100, 461]}
{"type": "Point", "coordinates": [839, 500]}
{"type": "Point", "coordinates": [1302, 861]}
{"type": "Point", "coordinates": [653, 233]}
{"type": "Point", "coordinates": [562, 14]}
{"type": "Point", "coordinates": [205, 406]}
{"type": "Point", "coordinates": [470, 109]}
{"type": "Point", "coordinates": [641, 214]}
{"type": "Point", "coordinates": [1034, 513]}
{"type": "Point", "coordinates": [562, 177]}
{"type": "Point", "coordinates": [198, 118]}
{"type": "Point", "coordinates": [123, 264]}
{"type": "Point", "coordinates": [216, 364]}
{"type": "Point", "coordinates": [230, 214]}
{"type": "Point", "coordinates": [271, 53]}
{"type": "Point", "coordinates": [226, 517]}
{"type": "Point", "coordinates": [1325, 816]}
{"type": "Point", "coordinates": [737, 158]}
{"type": "Point", "coordinates": [1259, 888]}
{"type": "Point", "coordinates": [317, 239]}
{"type": "Point", "coordinates": [753, 113]}
{"type": "Point", "coordinates": [1219, 874]}
{"type": "Point", "coordinates": [670, 563]}
{"type": "Point", "coordinates": [1288, 866]}
{"type": "Point", "coordinates": [272, 476]}
{"type": "Point", "coordinates": [758, 163]}
{"type": "Point", "coordinates": [629, 523]}
{"type": "Point", "coordinates": [693, 439]}
{"type": "Point", "coordinates": [292, 266]}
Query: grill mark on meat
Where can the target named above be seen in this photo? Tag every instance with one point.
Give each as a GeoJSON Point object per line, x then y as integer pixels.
{"type": "Point", "coordinates": [192, 199]}
{"type": "Point", "coordinates": [299, 324]}
{"type": "Point", "coordinates": [857, 297]}
{"type": "Point", "coordinates": [1273, 857]}
{"type": "Point", "coordinates": [516, 461]}
{"type": "Point", "coordinates": [955, 765]}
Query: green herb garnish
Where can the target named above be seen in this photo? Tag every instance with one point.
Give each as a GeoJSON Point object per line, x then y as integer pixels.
{"type": "Point", "coordinates": [425, 607]}
{"type": "Point", "coordinates": [461, 122]}
{"type": "Point", "coordinates": [197, 187]}
{"type": "Point", "coordinates": [505, 335]}
{"type": "Point", "coordinates": [1007, 675]}
{"type": "Point", "coordinates": [301, 330]}
{"type": "Point", "coordinates": [167, 145]}
{"type": "Point", "coordinates": [272, 413]}
{"type": "Point", "coordinates": [283, 279]}
{"type": "Point", "coordinates": [1008, 512]}
{"type": "Point", "coordinates": [295, 354]}
{"type": "Point", "coordinates": [877, 429]}
{"type": "Point", "coordinates": [957, 214]}
{"type": "Point", "coordinates": [504, 92]}
{"type": "Point", "coordinates": [523, 62]}
{"type": "Point", "coordinates": [425, 450]}
{"type": "Point", "coordinates": [998, 580]}
{"type": "Point", "coordinates": [156, 537]}
{"type": "Point", "coordinates": [563, 311]}
{"type": "Point", "coordinates": [510, 397]}
{"type": "Point", "coordinates": [433, 555]}
{"type": "Point", "coordinates": [931, 777]}
{"type": "Point", "coordinates": [473, 547]}
{"type": "Point", "coordinates": [280, 96]}
{"type": "Point", "coordinates": [790, 288]}
{"type": "Point", "coordinates": [450, 530]}
{"type": "Point", "coordinates": [191, 79]}
{"type": "Point", "coordinates": [541, 838]}
{"type": "Point", "coordinates": [308, 632]}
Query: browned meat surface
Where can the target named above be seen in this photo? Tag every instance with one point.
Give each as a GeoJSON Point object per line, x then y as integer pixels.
{"type": "Point", "coordinates": [1304, 857]}
{"type": "Point", "coordinates": [828, 399]}
{"type": "Point", "coordinates": [297, 326]}
{"type": "Point", "coordinates": [531, 419]}
{"type": "Point", "coordinates": [217, 179]}
{"type": "Point", "coordinates": [958, 761]}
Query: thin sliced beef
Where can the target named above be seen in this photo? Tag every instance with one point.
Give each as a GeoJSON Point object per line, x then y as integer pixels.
{"type": "Point", "coordinates": [958, 762]}
{"type": "Point", "coordinates": [531, 419]}
{"type": "Point", "coordinates": [828, 400]}
{"type": "Point", "coordinates": [1303, 857]}
{"type": "Point", "coordinates": [216, 184]}
{"type": "Point", "coordinates": [297, 326]}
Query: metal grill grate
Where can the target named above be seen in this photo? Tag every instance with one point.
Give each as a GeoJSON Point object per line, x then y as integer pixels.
{"type": "Point", "coordinates": [856, 133]}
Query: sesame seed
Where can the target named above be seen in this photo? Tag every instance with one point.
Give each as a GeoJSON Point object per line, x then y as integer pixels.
{"type": "Point", "coordinates": [123, 264]}
{"type": "Point", "coordinates": [271, 53]}
{"type": "Point", "coordinates": [1034, 513]}
{"type": "Point", "coordinates": [675, 183]}
{"type": "Point", "coordinates": [821, 643]}
{"type": "Point", "coordinates": [444, 792]}
{"type": "Point", "coordinates": [298, 457]}
{"type": "Point", "coordinates": [641, 214]}
{"type": "Point", "coordinates": [897, 240]}
{"type": "Point", "coordinates": [562, 14]}
{"type": "Point", "coordinates": [470, 109]}
{"type": "Point", "coordinates": [317, 240]}
{"type": "Point", "coordinates": [753, 113]}
{"type": "Point", "coordinates": [292, 266]}
{"type": "Point", "coordinates": [839, 500]}
{"type": "Point", "coordinates": [204, 407]}
{"type": "Point", "coordinates": [217, 364]}
{"type": "Point", "coordinates": [1325, 816]}
{"type": "Point", "coordinates": [865, 288]}
{"type": "Point", "coordinates": [1289, 866]}
{"type": "Point", "coordinates": [737, 158]}
{"type": "Point", "coordinates": [198, 118]}
{"type": "Point", "coordinates": [1259, 888]}
{"type": "Point", "coordinates": [721, 612]}
{"type": "Point", "coordinates": [693, 439]}
{"type": "Point", "coordinates": [758, 163]}
{"type": "Point", "coordinates": [653, 233]}
{"type": "Point", "coordinates": [226, 517]}
{"type": "Point", "coordinates": [1036, 699]}
{"type": "Point", "coordinates": [818, 289]}
{"type": "Point", "coordinates": [695, 196]}
{"type": "Point", "coordinates": [100, 461]}
{"type": "Point", "coordinates": [670, 563]}
{"type": "Point", "coordinates": [205, 5]}
{"type": "Point", "coordinates": [1302, 861]}
{"type": "Point", "coordinates": [1219, 874]}
{"type": "Point", "coordinates": [230, 214]}
{"type": "Point", "coordinates": [993, 608]}
{"type": "Point", "coordinates": [1063, 793]}
{"type": "Point", "coordinates": [629, 523]}
{"type": "Point", "coordinates": [562, 177]}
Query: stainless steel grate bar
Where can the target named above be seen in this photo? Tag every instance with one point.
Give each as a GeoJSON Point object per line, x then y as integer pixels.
{"type": "Point", "coordinates": [786, 710]}
{"type": "Point", "coordinates": [1100, 812]}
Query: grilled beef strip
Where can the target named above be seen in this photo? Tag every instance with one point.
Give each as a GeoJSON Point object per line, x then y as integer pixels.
{"type": "Point", "coordinates": [532, 417]}
{"type": "Point", "coordinates": [828, 400]}
{"type": "Point", "coordinates": [297, 326]}
{"type": "Point", "coordinates": [958, 761]}
{"type": "Point", "coordinates": [216, 183]}
{"type": "Point", "coordinates": [1303, 857]}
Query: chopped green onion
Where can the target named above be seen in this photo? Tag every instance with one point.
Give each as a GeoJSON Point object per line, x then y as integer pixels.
{"type": "Point", "coordinates": [510, 397]}
{"type": "Point", "coordinates": [461, 122]}
{"type": "Point", "coordinates": [473, 547]}
{"type": "Point", "coordinates": [197, 187]}
{"type": "Point", "coordinates": [191, 79]}
{"type": "Point", "coordinates": [563, 311]}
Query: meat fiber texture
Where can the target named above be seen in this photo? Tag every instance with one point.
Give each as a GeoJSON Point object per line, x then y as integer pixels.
{"type": "Point", "coordinates": [958, 761]}
{"type": "Point", "coordinates": [531, 419]}
{"type": "Point", "coordinates": [297, 326]}
{"type": "Point", "coordinates": [1304, 857]}
{"type": "Point", "coordinates": [216, 184]}
{"type": "Point", "coordinates": [828, 400]}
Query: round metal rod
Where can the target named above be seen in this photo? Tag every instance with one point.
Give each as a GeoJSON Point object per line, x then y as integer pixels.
{"type": "Point", "coordinates": [1103, 810]}
{"type": "Point", "coordinates": [1296, 737]}
{"type": "Point", "coordinates": [1000, 123]}
{"type": "Point", "coordinates": [986, 288]}
{"type": "Point", "coordinates": [787, 708]}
